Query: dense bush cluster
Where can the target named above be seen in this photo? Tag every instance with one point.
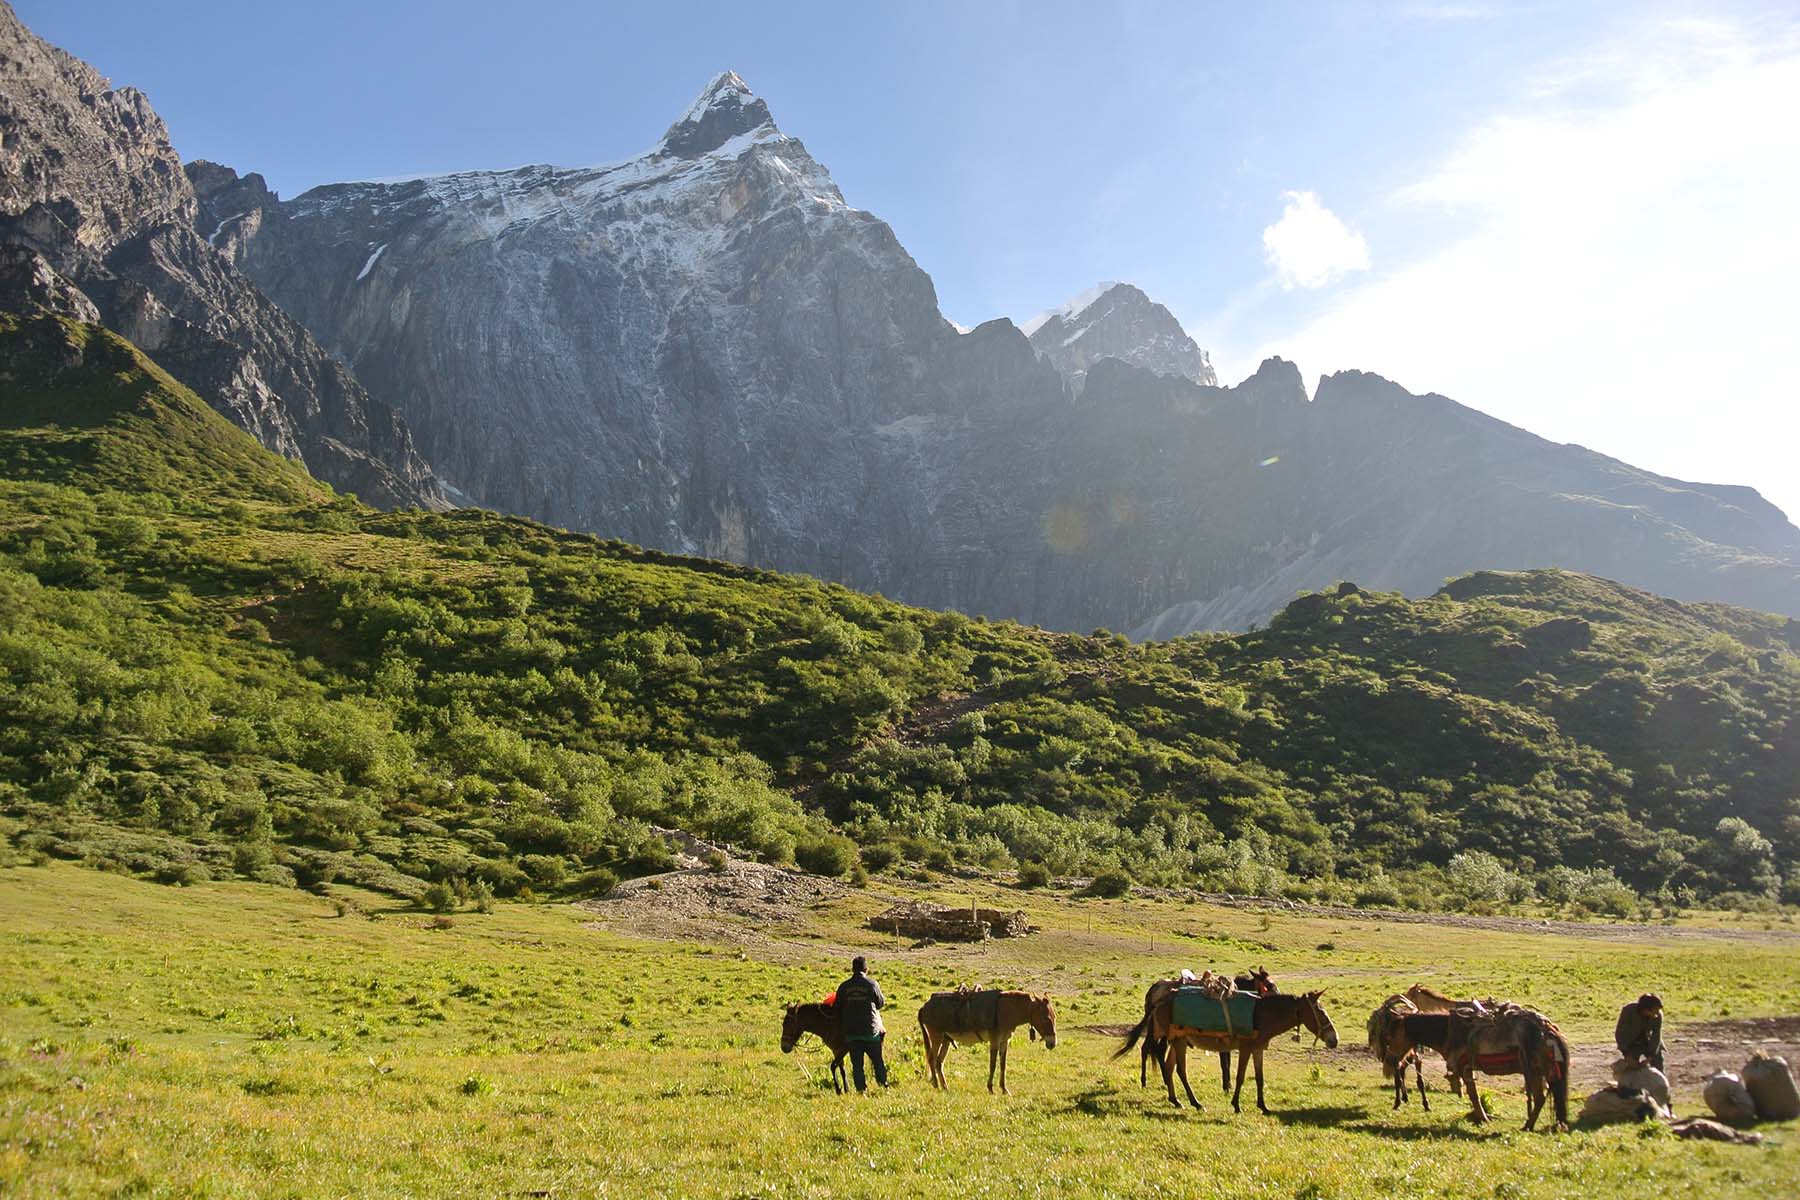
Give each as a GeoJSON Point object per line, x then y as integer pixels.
{"type": "Point", "coordinates": [242, 674]}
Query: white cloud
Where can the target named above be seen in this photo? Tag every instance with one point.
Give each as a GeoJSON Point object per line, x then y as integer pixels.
{"type": "Point", "coordinates": [1626, 275]}
{"type": "Point", "coordinates": [1310, 247]}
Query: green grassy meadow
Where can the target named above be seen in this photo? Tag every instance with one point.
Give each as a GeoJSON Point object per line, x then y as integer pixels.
{"type": "Point", "coordinates": [238, 1039]}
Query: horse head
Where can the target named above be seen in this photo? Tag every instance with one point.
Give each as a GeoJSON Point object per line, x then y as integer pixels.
{"type": "Point", "coordinates": [1258, 982]}
{"type": "Point", "coordinates": [1043, 1021]}
{"type": "Point", "coordinates": [790, 1028]}
{"type": "Point", "coordinates": [1312, 1015]}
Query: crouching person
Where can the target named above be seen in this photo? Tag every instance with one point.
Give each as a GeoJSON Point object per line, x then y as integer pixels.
{"type": "Point", "coordinates": [1639, 1032]}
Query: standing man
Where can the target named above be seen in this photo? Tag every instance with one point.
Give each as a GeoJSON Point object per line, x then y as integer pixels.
{"type": "Point", "coordinates": [1639, 1032]}
{"type": "Point", "coordinates": [859, 1005]}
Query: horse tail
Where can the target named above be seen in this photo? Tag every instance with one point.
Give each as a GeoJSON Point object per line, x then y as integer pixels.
{"type": "Point", "coordinates": [1380, 1022]}
{"type": "Point", "coordinates": [1131, 1039]}
{"type": "Point", "coordinates": [1559, 1074]}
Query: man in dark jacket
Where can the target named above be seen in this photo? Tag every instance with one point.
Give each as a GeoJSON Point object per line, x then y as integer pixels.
{"type": "Point", "coordinates": [1639, 1032]}
{"type": "Point", "coordinates": [859, 1005]}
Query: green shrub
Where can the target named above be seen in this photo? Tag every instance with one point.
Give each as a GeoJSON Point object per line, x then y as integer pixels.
{"type": "Point", "coordinates": [1110, 884]}
{"type": "Point", "coordinates": [939, 858]}
{"type": "Point", "coordinates": [438, 897]}
{"type": "Point", "coordinates": [880, 856]}
{"type": "Point", "coordinates": [546, 871]}
{"type": "Point", "coordinates": [1034, 875]}
{"type": "Point", "coordinates": [832, 855]}
{"type": "Point", "coordinates": [597, 882]}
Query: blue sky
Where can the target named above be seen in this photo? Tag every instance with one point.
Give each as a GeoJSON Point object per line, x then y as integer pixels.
{"type": "Point", "coordinates": [1580, 218]}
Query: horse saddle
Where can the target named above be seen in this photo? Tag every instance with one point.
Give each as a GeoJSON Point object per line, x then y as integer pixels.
{"type": "Point", "coordinates": [966, 1010]}
{"type": "Point", "coordinates": [1193, 1008]}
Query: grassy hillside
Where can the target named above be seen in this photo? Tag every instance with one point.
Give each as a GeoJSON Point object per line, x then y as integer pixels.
{"type": "Point", "coordinates": [212, 666]}
{"type": "Point", "coordinates": [238, 1040]}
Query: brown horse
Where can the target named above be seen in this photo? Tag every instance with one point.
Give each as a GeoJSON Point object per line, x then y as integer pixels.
{"type": "Point", "coordinates": [1275, 1015]}
{"type": "Point", "coordinates": [1397, 1034]}
{"type": "Point", "coordinates": [1256, 982]}
{"type": "Point", "coordinates": [822, 1022]}
{"type": "Point", "coordinates": [1429, 1000]}
{"type": "Point", "coordinates": [968, 1017]}
{"type": "Point", "coordinates": [1511, 1041]}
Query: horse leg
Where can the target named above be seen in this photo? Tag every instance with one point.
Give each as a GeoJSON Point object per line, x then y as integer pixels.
{"type": "Point", "coordinates": [1005, 1044]}
{"type": "Point", "coordinates": [1155, 1050]}
{"type": "Point", "coordinates": [1261, 1107]}
{"type": "Point", "coordinates": [1170, 1054]}
{"type": "Point", "coordinates": [840, 1082]}
{"type": "Point", "coordinates": [1419, 1073]}
{"type": "Point", "coordinates": [1243, 1065]}
{"type": "Point", "coordinates": [1476, 1109]}
{"type": "Point", "coordinates": [1225, 1071]}
{"type": "Point", "coordinates": [936, 1047]}
{"type": "Point", "coordinates": [993, 1060]}
{"type": "Point", "coordinates": [1400, 1085]}
{"type": "Point", "coordinates": [1181, 1065]}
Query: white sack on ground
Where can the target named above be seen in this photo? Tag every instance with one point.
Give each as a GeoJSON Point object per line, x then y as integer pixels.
{"type": "Point", "coordinates": [1729, 1099]}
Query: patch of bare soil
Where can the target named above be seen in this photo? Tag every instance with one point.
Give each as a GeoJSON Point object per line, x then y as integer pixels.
{"type": "Point", "coordinates": [1111, 1031]}
{"type": "Point", "coordinates": [1695, 1051]}
{"type": "Point", "coordinates": [743, 902]}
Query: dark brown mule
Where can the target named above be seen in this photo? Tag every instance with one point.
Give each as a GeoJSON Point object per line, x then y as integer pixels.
{"type": "Point", "coordinates": [822, 1022]}
{"type": "Point", "coordinates": [1275, 1015]}
{"type": "Point", "coordinates": [943, 1020]}
{"type": "Point", "coordinates": [1396, 1036]}
{"type": "Point", "coordinates": [1516, 1041]}
{"type": "Point", "coordinates": [1429, 1000]}
{"type": "Point", "coordinates": [1256, 982]}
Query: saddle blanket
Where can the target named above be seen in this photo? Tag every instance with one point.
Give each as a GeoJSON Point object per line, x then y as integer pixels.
{"type": "Point", "coordinates": [964, 1010]}
{"type": "Point", "coordinates": [1197, 1010]}
{"type": "Point", "coordinates": [1499, 1064]}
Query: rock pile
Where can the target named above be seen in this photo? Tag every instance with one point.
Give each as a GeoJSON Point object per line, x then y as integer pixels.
{"type": "Point", "coordinates": [972, 924]}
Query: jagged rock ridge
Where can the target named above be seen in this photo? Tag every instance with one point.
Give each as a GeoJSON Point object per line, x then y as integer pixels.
{"type": "Point", "coordinates": [97, 220]}
{"type": "Point", "coordinates": [1116, 320]}
{"type": "Point", "coordinates": [706, 349]}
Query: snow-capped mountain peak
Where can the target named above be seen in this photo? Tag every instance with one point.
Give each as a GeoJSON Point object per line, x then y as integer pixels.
{"type": "Point", "coordinates": [1116, 320]}
{"type": "Point", "coordinates": [1073, 308]}
{"type": "Point", "coordinates": [725, 109]}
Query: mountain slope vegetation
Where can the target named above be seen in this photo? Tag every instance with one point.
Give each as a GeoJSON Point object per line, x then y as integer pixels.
{"type": "Point", "coordinates": [211, 664]}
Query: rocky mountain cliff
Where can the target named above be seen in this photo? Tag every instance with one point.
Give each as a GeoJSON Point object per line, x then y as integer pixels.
{"type": "Point", "coordinates": [706, 349]}
{"type": "Point", "coordinates": [1116, 320]}
{"type": "Point", "coordinates": [98, 221]}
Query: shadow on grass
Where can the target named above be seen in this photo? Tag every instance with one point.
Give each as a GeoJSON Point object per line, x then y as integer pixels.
{"type": "Point", "coordinates": [1106, 1102]}
{"type": "Point", "coordinates": [1460, 1131]}
{"type": "Point", "coordinates": [1323, 1114]}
